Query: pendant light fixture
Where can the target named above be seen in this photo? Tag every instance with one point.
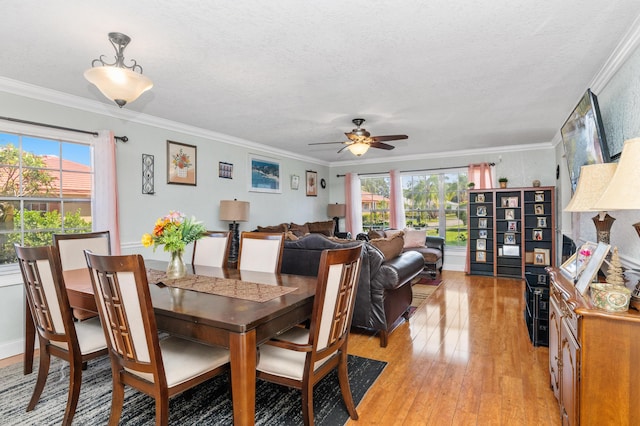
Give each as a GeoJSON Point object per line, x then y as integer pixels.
{"type": "Point", "coordinates": [118, 82]}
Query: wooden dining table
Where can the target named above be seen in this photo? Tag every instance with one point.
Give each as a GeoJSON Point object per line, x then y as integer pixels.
{"type": "Point", "coordinates": [237, 324]}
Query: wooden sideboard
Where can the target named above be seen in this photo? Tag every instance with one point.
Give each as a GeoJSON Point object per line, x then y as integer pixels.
{"type": "Point", "coordinates": [594, 358]}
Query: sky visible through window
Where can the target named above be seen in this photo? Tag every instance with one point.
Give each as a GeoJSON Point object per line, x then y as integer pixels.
{"type": "Point", "coordinates": [70, 151]}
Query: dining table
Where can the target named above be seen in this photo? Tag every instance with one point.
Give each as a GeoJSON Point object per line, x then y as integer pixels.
{"type": "Point", "coordinates": [232, 321]}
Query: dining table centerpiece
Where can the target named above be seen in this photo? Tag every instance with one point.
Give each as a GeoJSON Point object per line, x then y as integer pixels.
{"type": "Point", "coordinates": [174, 231]}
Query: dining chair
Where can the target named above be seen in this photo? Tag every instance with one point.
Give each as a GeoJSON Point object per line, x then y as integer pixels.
{"type": "Point", "coordinates": [301, 357]}
{"type": "Point", "coordinates": [160, 368]}
{"type": "Point", "coordinates": [212, 249]}
{"type": "Point", "coordinates": [58, 334]}
{"type": "Point", "coordinates": [71, 248]}
{"type": "Point", "coordinates": [261, 251]}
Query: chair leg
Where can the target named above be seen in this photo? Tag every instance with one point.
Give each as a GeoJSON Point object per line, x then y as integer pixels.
{"type": "Point", "coordinates": [43, 372]}
{"type": "Point", "coordinates": [345, 387]}
{"type": "Point", "coordinates": [75, 381]}
{"type": "Point", "coordinates": [162, 410]}
{"type": "Point", "coordinates": [117, 400]}
{"type": "Point", "coordinates": [384, 338]}
{"type": "Point", "coordinates": [307, 404]}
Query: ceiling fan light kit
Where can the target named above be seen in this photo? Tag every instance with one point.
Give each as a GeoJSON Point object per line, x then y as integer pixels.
{"type": "Point", "coordinates": [360, 140]}
{"type": "Point", "coordinates": [118, 82]}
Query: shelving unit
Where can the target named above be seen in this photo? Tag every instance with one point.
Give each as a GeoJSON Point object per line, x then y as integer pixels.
{"type": "Point", "coordinates": [481, 232]}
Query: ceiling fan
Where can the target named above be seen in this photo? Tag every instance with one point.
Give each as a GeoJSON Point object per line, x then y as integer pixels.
{"type": "Point", "coordinates": [360, 140]}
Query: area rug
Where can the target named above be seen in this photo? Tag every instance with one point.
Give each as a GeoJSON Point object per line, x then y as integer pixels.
{"type": "Point", "coordinates": [422, 288]}
{"type": "Point", "coordinates": [208, 404]}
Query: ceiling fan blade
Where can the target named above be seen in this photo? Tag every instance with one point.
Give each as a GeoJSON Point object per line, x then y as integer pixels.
{"type": "Point", "coordinates": [381, 145]}
{"type": "Point", "coordinates": [343, 148]}
{"type": "Point", "coordinates": [388, 138]}
{"type": "Point", "coordinates": [324, 143]}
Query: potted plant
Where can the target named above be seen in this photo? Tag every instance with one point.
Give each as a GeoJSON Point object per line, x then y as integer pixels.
{"type": "Point", "coordinates": [503, 182]}
{"type": "Point", "coordinates": [471, 185]}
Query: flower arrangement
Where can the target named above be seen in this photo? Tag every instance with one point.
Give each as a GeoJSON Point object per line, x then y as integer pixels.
{"type": "Point", "coordinates": [174, 231]}
{"type": "Point", "coordinates": [181, 160]}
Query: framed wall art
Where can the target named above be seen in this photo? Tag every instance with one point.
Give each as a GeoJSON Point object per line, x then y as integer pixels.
{"type": "Point", "coordinates": [147, 174]}
{"type": "Point", "coordinates": [225, 170]}
{"type": "Point", "coordinates": [181, 163]}
{"type": "Point", "coordinates": [295, 182]}
{"type": "Point", "coordinates": [264, 175]}
{"type": "Point", "coordinates": [312, 183]}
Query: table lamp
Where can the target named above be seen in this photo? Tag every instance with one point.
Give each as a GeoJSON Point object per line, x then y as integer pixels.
{"type": "Point", "coordinates": [336, 211]}
{"type": "Point", "coordinates": [234, 211]}
{"type": "Point", "coordinates": [593, 182]}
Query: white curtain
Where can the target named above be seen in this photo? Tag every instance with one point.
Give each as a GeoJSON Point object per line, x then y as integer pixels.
{"type": "Point", "coordinates": [396, 201]}
{"type": "Point", "coordinates": [353, 195]}
{"type": "Point", "coordinates": [105, 196]}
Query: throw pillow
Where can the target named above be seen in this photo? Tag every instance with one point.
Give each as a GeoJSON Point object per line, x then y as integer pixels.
{"type": "Point", "coordinates": [414, 238]}
{"type": "Point", "coordinates": [374, 235]}
{"type": "Point", "coordinates": [278, 228]}
{"type": "Point", "coordinates": [290, 236]}
{"type": "Point", "coordinates": [299, 230]}
{"type": "Point", "coordinates": [390, 247]}
{"type": "Point", "coordinates": [324, 228]}
{"type": "Point", "coordinates": [391, 232]}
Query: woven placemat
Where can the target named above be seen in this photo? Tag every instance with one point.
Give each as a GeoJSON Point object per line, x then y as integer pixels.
{"type": "Point", "coordinates": [238, 289]}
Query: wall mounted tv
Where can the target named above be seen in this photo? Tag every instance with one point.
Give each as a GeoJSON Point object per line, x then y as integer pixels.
{"type": "Point", "coordinates": [583, 137]}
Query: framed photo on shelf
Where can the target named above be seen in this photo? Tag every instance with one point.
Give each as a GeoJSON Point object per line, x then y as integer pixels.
{"type": "Point", "coordinates": [541, 256]}
{"type": "Point", "coordinates": [512, 226]}
{"type": "Point", "coordinates": [536, 235]}
{"type": "Point", "coordinates": [542, 279]}
{"type": "Point", "coordinates": [481, 256]}
{"type": "Point", "coordinates": [509, 238]}
{"type": "Point", "coordinates": [572, 268]}
{"type": "Point", "coordinates": [538, 208]}
{"type": "Point", "coordinates": [509, 214]}
{"type": "Point", "coordinates": [481, 244]}
{"type": "Point", "coordinates": [480, 198]}
{"type": "Point", "coordinates": [482, 223]}
{"type": "Point", "coordinates": [528, 257]}
{"type": "Point", "coordinates": [538, 197]}
{"type": "Point", "coordinates": [481, 211]}
{"type": "Point", "coordinates": [482, 233]}
{"type": "Point", "coordinates": [510, 250]}
{"type": "Point", "coordinates": [592, 266]}
{"type": "Point", "coordinates": [512, 202]}
{"type": "Point", "coordinates": [542, 222]}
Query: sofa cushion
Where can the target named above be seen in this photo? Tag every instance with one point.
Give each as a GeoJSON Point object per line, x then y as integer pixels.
{"type": "Point", "coordinates": [299, 230]}
{"type": "Point", "coordinates": [414, 238]}
{"type": "Point", "coordinates": [374, 235]}
{"type": "Point", "coordinates": [430, 255]}
{"type": "Point", "coordinates": [278, 228]}
{"type": "Point", "coordinates": [390, 247]}
{"type": "Point", "coordinates": [324, 228]}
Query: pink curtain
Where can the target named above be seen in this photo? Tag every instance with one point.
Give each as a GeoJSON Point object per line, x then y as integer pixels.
{"type": "Point", "coordinates": [481, 175]}
{"type": "Point", "coordinates": [396, 202]}
{"type": "Point", "coordinates": [105, 198]}
{"type": "Point", "coordinates": [353, 196]}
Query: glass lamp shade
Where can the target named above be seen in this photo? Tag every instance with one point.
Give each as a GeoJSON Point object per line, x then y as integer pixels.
{"type": "Point", "coordinates": [358, 148]}
{"type": "Point", "coordinates": [622, 192]}
{"type": "Point", "coordinates": [120, 85]}
{"type": "Point", "coordinates": [234, 210]}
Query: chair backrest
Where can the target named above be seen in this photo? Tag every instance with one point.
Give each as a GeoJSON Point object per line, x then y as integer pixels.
{"type": "Point", "coordinates": [338, 277]}
{"type": "Point", "coordinates": [71, 247]}
{"type": "Point", "coordinates": [212, 249]}
{"type": "Point", "coordinates": [47, 295]}
{"type": "Point", "coordinates": [261, 251]}
{"type": "Point", "coordinates": [124, 304]}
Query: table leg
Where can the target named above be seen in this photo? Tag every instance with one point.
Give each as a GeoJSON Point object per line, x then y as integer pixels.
{"type": "Point", "coordinates": [243, 376]}
{"type": "Point", "coordinates": [29, 340]}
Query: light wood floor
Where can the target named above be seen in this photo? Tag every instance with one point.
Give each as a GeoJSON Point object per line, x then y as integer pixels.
{"type": "Point", "coordinates": [463, 359]}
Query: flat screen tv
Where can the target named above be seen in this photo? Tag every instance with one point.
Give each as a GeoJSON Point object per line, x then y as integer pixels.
{"type": "Point", "coordinates": [583, 137]}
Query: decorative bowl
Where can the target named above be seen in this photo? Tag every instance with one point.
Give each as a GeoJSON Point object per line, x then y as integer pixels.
{"type": "Point", "coordinates": [612, 298]}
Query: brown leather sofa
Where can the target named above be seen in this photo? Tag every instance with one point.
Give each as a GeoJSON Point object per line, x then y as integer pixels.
{"type": "Point", "coordinates": [384, 290]}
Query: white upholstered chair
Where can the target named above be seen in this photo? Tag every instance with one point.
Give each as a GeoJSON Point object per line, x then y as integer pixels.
{"type": "Point", "coordinates": [301, 357]}
{"type": "Point", "coordinates": [212, 249]}
{"type": "Point", "coordinates": [261, 251]}
{"type": "Point", "coordinates": [58, 334]}
{"type": "Point", "coordinates": [158, 367]}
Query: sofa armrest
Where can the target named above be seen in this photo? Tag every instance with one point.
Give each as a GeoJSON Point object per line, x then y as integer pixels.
{"type": "Point", "coordinates": [436, 242]}
{"type": "Point", "coordinates": [396, 272]}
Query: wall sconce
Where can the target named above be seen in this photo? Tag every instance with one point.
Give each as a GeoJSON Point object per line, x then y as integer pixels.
{"type": "Point", "coordinates": [117, 81]}
{"type": "Point", "coordinates": [336, 211]}
{"type": "Point", "coordinates": [234, 211]}
{"type": "Point", "coordinates": [593, 182]}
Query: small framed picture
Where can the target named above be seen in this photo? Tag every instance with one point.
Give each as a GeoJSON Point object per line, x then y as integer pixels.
{"type": "Point", "coordinates": [480, 198]}
{"type": "Point", "coordinates": [481, 244]}
{"type": "Point", "coordinates": [538, 208]}
{"type": "Point", "coordinates": [295, 182]}
{"type": "Point", "coordinates": [512, 226]}
{"type": "Point", "coordinates": [542, 222]}
{"type": "Point", "coordinates": [542, 279]}
{"type": "Point", "coordinates": [481, 211]}
{"type": "Point", "coordinates": [482, 233]}
{"type": "Point", "coordinates": [537, 235]}
{"type": "Point", "coordinates": [509, 238]}
{"type": "Point", "coordinates": [528, 257]}
{"type": "Point", "coordinates": [538, 197]}
{"type": "Point", "coordinates": [312, 183]}
{"type": "Point", "coordinates": [481, 256]}
{"type": "Point", "coordinates": [504, 202]}
{"type": "Point", "coordinates": [181, 163]}
{"type": "Point", "coordinates": [540, 256]}
{"type": "Point", "coordinates": [509, 250]}
{"type": "Point", "coordinates": [509, 214]}
{"type": "Point", "coordinates": [512, 202]}
{"type": "Point", "coordinates": [225, 170]}
{"type": "Point", "coordinates": [482, 223]}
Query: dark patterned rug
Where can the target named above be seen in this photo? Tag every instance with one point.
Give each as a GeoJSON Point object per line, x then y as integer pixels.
{"type": "Point", "coordinates": [207, 404]}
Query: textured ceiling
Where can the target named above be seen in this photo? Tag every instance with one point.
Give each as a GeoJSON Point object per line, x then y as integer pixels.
{"type": "Point", "coordinates": [451, 74]}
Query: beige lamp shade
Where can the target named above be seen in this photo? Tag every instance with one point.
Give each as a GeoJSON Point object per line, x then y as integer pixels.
{"type": "Point", "coordinates": [593, 182]}
{"type": "Point", "coordinates": [623, 192]}
{"type": "Point", "coordinates": [120, 85]}
{"type": "Point", "coordinates": [234, 210]}
{"type": "Point", "coordinates": [336, 210]}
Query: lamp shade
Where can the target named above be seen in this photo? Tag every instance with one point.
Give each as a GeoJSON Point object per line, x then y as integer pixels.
{"type": "Point", "coordinates": [593, 182]}
{"type": "Point", "coordinates": [234, 210]}
{"type": "Point", "coordinates": [118, 84]}
{"type": "Point", "coordinates": [622, 192]}
{"type": "Point", "coordinates": [358, 148]}
{"type": "Point", "coordinates": [336, 210]}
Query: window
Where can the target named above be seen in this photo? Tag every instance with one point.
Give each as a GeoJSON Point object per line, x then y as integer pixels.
{"type": "Point", "coordinates": [438, 204]}
{"type": "Point", "coordinates": [46, 187]}
{"type": "Point", "coordinates": [375, 202]}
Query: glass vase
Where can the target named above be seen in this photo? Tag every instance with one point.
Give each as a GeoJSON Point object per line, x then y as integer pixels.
{"type": "Point", "coordinates": [176, 268]}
